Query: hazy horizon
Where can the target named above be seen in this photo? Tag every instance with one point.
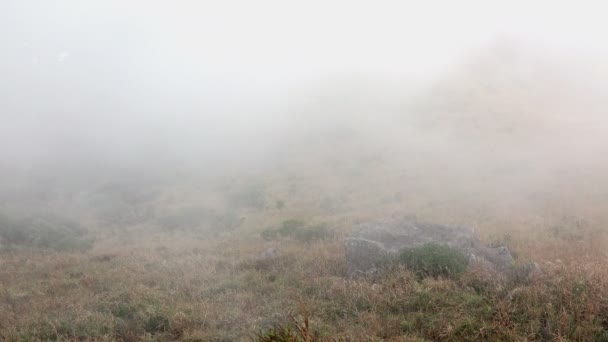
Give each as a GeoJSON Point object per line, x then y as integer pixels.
{"type": "Point", "coordinates": [128, 82]}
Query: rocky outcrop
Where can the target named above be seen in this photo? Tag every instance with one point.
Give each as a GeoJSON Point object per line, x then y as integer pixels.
{"type": "Point", "coordinates": [373, 243]}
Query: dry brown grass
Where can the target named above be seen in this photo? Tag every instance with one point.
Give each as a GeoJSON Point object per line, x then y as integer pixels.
{"type": "Point", "coordinates": [179, 287]}
{"type": "Point", "coordinates": [142, 283]}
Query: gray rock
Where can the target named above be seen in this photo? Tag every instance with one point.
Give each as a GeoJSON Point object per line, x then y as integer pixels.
{"type": "Point", "coordinates": [499, 258]}
{"type": "Point", "coordinates": [525, 273]}
{"type": "Point", "coordinates": [269, 253]}
{"type": "Point", "coordinates": [371, 244]}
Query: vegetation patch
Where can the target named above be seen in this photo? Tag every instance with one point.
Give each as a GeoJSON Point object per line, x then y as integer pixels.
{"type": "Point", "coordinates": [294, 331]}
{"type": "Point", "coordinates": [157, 323]}
{"type": "Point", "coordinates": [434, 260]}
{"type": "Point", "coordinates": [44, 231]}
{"type": "Point", "coordinates": [197, 218]}
{"type": "Point", "coordinates": [298, 230]}
{"type": "Point", "coordinates": [251, 196]}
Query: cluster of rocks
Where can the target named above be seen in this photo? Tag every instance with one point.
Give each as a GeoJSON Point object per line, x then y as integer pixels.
{"type": "Point", "coordinates": [372, 243]}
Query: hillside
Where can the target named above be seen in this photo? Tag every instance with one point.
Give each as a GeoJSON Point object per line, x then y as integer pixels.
{"type": "Point", "coordinates": [508, 143]}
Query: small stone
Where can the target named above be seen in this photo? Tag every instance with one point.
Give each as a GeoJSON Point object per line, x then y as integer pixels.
{"type": "Point", "coordinates": [270, 253]}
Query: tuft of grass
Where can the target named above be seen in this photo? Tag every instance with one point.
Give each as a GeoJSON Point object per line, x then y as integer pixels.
{"type": "Point", "coordinates": [295, 331]}
{"type": "Point", "coordinates": [124, 310]}
{"type": "Point", "coordinates": [156, 323]}
{"type": "Point", "coordinates": [434, 260]}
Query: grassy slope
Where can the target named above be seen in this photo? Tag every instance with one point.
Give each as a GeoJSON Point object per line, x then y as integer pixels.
{"type": "Point", "coordinates": [158, 271]}
{"type": "Point", "coordinates": [197, 283]}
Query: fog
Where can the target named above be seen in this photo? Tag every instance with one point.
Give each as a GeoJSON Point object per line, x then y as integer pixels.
{"type": "Point", "coordinates": [128, 82]}
{"type": "Point", "coordinates": [146, 87]}
{"type": "Point", "coordinates": [192, 169]}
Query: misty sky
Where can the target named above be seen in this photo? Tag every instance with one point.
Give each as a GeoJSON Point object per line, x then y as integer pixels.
{"type": "Point", "coordinates": [152, 77]}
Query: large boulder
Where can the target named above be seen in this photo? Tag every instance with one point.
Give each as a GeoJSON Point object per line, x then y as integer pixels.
{"type": "Point", "coordinates": [373, 243]}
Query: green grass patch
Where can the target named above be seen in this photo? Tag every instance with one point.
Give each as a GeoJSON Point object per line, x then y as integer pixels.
{"type": "Point", "coordinates": [434, 260]}
{"type": "Point", "coordinates": [298, 230]}
{"type": "Point", "coordinates": [44, 231]}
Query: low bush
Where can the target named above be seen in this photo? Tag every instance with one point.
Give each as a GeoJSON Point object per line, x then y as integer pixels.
{"type": "Point", "coordinates": [124, 203]}
{"type": "Point", "coordinates": [198, 218]}
{"type": "Point", "coordinates": [298, 230]}
{"type": "Point", "coordinates": [251, 196]}
{"type": "Point", "coordinates": [290, 227]}
{"type": "Point", "coordinates": [313, 233]}
{"type": "Point", "coordinates": [269, 233]}
{"type": "Point", "coordinates": [434, 260]}
{"type": "Point", "coordinates": [44, 231]}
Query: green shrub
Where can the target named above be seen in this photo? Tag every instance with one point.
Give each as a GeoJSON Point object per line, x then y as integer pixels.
{"type": "Point", "coordinates": [313, 233]}
{"type": "Point", "coordinates": [269, 234]}
{"type": "Point", "coordinates": [289, 227]}
{"type": "Point", "coordinates": [298, 230]}
{"type": "Point", "coordinates": [123, 203]}
{"type": "Point", "coordinates": [251, 196]}
{"type": "Point", "coordinates": [44, 231]}
{"type": "Point", "coordinates": [434, 260]}
{"type": "Point", "coordinates": [406, 326]}
{"type": "Point", "coordinates": [197, 218]}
